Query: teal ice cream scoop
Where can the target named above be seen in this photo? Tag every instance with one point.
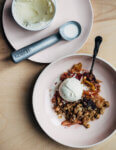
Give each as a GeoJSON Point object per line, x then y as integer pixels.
{"type": "Point", "coordinates": [67, 31]}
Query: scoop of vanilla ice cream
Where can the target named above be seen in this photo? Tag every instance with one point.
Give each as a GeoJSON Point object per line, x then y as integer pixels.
{"type": "Point", "coordinates": [71, 89]}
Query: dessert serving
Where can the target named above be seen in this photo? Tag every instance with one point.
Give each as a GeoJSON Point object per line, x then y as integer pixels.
{"type": "Point", "coordinates": [65, 113]}
{"type": "Point", "coordinates": [77, 98]}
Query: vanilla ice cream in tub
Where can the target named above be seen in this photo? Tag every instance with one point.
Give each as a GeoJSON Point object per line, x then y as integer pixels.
{"type": "Point", "coordinates": [33, 14]}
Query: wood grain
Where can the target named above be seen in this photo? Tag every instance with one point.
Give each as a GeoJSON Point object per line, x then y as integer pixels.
{"type": "Point", "coordinates": [18, 128]}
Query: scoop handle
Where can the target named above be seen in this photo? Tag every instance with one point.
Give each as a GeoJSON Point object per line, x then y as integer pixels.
{"type": "Point", "coordinates": [32, 49]}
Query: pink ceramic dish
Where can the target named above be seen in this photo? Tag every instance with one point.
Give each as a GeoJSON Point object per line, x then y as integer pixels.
{"type": "Point", "coordinates": [75, 136]}
{"type": "Point", "coordinates": [67, 10]}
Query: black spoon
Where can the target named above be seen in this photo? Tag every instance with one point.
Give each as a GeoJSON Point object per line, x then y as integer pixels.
{"type": "Point", "coordinates": [98, 41]}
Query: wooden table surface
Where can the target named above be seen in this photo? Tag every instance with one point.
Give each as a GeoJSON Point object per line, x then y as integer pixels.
{"type": "Point", "coordinates": [18, 128]}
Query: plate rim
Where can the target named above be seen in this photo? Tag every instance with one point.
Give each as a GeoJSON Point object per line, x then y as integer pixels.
{"type": "Point", "coordinates": [46, 62]}
{"type": "Point", "coordinates": [34, 90]}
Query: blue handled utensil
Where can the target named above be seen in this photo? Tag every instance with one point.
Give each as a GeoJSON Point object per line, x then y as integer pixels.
{"type": "Point", "coordinates": [67, 31]}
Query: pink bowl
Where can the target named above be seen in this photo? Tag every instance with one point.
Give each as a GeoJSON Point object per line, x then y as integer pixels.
{"type": "Point", "coordinates": [80, 11]}
{"type": "Point", "coordinates": [75, 136]}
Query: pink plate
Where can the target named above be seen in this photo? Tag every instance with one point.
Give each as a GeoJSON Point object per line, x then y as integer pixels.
{"type": "Point", "coordinates": [66, 10]}
{"type": "Point", "coordinates": [76, 135]}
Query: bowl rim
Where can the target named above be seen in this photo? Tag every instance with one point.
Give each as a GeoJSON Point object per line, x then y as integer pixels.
{"type": "Point", "coordinates": [42, 28]}
{"type": "Point", "coordinates": [33, 95]}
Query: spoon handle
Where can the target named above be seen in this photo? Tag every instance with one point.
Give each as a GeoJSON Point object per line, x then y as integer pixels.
{"type": "Point", "coordinates": [98, 41]}
{"type": "Point", "coordinates": [32, 49]}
